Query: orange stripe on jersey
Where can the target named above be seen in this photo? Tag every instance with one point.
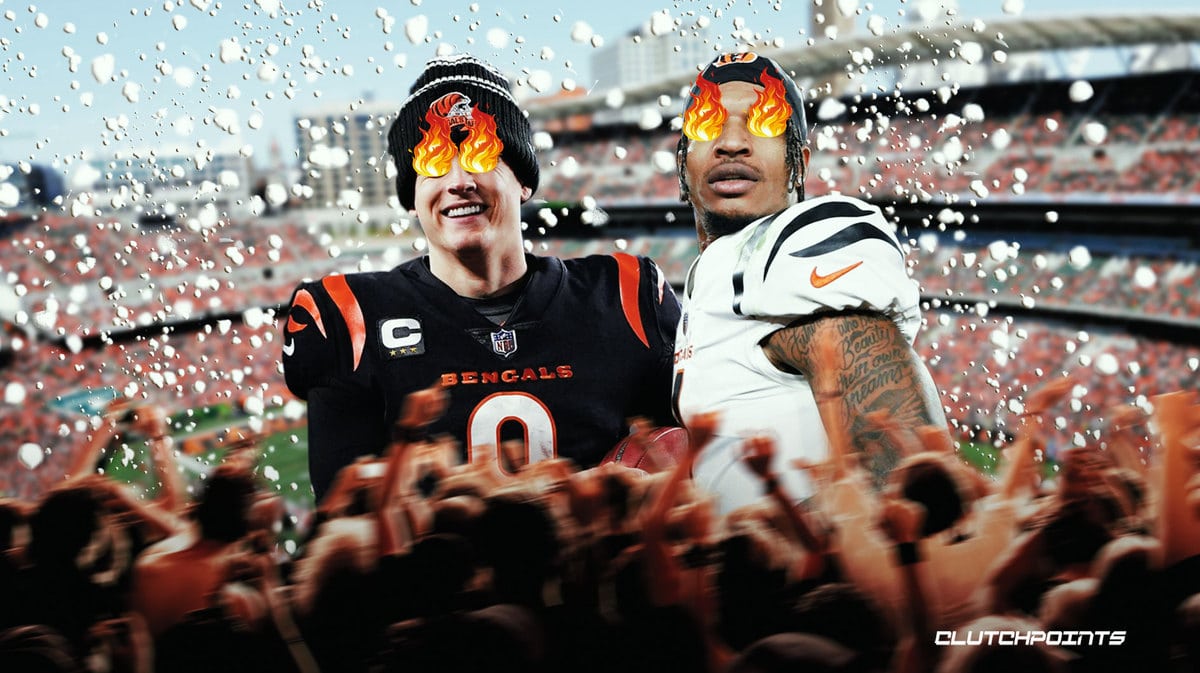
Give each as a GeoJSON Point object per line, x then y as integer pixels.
{"type": "Point", "coordinates": [305, 301]}
{"type": "Point", "coordinates": [339, 290]}
{"type": "Point", "coordinates": [629, 278]}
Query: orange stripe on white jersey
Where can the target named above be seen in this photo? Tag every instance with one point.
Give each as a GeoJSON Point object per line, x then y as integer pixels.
{"type": "Point", "coordinates": [339, 290]}
{"type": "Point", "coordinates": [629, 278]}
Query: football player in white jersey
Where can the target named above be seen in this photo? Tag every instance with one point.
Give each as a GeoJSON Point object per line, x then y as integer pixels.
{"type": "Point", "coordinates": [777, 277]}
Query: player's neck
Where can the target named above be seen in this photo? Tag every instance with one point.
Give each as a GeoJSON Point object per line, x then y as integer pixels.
{"type": "Point", "coordinates": [481, 277]}
{"type": "Point", "coordinates": [711, 226]}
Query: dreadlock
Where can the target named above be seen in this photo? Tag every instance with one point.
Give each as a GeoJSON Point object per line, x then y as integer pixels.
{"type": "Point", "coordinates": [794, 160]}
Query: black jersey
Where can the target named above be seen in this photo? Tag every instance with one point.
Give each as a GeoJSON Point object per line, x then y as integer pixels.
{"type": "Point", "coordinates": [589, 343]}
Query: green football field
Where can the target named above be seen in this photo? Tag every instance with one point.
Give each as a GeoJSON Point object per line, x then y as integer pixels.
{"type": "Point", "coordinates": [282, 467]}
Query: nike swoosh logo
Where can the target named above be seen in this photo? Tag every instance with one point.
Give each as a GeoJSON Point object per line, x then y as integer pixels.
{"type": "Point", "coordinates": [289, 348]}
{"type": "Point", "coordinates": [818, 280]}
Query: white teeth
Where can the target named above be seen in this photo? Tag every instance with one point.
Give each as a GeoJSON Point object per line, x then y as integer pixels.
{"type": "Point", "coordinates": [462, 211]}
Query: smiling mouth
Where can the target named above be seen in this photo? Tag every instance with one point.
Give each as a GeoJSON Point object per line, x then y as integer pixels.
{"type": "Point", "coordinates": [464, 211]}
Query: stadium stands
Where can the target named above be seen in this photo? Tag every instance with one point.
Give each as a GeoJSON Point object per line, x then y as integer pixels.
{"type": "Point", "coordinates": [181, 316]}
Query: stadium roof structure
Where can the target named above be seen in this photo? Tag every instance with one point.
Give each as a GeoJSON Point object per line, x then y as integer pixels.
{"type": "Point", "coordinates": [923, 43]}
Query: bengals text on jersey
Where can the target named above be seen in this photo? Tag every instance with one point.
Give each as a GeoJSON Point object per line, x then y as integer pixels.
{"type": "Point", "coordinates": [588, 344]}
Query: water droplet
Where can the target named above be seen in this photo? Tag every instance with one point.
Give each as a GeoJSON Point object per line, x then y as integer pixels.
{"type": "Point", "coordinates": [416, 28]}
{"type": "Point", "coordinates": [543, 140]}
{"type": "Point", "coordinates": [663, 161]}
{"type": "Point", "coordinates": [226, 119]}
{"type": "Point", "coordinates": [31, 455]}
{"type": "Point", "coordinates": [1080, 91]}
{"type": "Point", "coordinates": [650, 119]}
{"type": "Point", "coordinates": [661, 23]}
{"type": "Point", "coordinates": [970, 52]}
{"type": "Point", "coordinates": [230, 50]}
{"type": "Point", "coordinates": [14, 393]}
{"type": "Point", "coordinates": [1079, 257]}
{"type": "Point", "coordinates": [497, 38]}
{"type": "Point", "coordinates": [268, 72]}
{"type": "Point", "coordinates": [102, 67]}
{"type": "Point", "coordinates": [581, 32]}
{"type": "Point", "coordinates": [1107, 364]}
{"type": "Point", "coordinates": [10, 196]}
{"type": "Point", "coordinates": [1144, 277]}
{"type": "Point", "coordinates": [1095, 133]}
{"type": "Point", "coordinates": [540, 80]}
{"type": "Point", "coordinates": [184, 76]}
{"type": "Point", "coordinates": [830, 108]}
{"type": "Point", "coordinates": [876, 24]}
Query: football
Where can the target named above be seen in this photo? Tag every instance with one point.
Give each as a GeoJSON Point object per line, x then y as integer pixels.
{"type": "Point", "coordinates": [658, 450]}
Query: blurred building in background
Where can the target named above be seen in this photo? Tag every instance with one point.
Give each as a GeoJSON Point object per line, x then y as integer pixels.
{"type": "Point", "coordinates": [343, 155]}
{"type": "Point", "coordinates": [649, 53]}
{"type": "Point", "coordinates": [163, 182]}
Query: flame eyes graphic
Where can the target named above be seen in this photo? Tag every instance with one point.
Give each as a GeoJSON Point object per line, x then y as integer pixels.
{"type": "Point", "coordinates": [432, 156]}
{"type": "Point", "coordinates": [768, 116]}
{"type": "Point", "coordinates": [480, 152]}
{"type": "Point", "coordinates": [704, 119]}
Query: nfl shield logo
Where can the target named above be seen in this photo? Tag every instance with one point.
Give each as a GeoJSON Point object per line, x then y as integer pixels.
{"type": "Point", "coordinates": [504, 342]}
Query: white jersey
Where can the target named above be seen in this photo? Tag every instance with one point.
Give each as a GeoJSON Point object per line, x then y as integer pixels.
{"type": "Point", "coordinates": [827, 254]}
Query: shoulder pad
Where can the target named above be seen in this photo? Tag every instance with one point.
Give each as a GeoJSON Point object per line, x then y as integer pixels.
{"type": "Point", "coordinates": [827, 254]}
{"type": "Point", "coordinates": [324, 319]}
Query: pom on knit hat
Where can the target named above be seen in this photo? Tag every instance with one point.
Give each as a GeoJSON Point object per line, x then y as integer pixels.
{"type": "Point", "coordinates": [459, 109]}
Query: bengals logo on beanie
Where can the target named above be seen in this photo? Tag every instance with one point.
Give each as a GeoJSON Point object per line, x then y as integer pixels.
{"type": "Point", "coordinates": [455, 107]}
{"type": "Point", "coordinates": [459, 109]}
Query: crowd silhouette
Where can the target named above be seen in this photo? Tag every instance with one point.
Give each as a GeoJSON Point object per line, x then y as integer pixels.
{"type": "Point", "coordinates": [413, 562]}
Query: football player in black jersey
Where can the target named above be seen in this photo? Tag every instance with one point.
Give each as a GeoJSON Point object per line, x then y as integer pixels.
{"type": "Point", "coordinates": [779, 276]}
{"type": "Point", "coordinates": [555, 353]}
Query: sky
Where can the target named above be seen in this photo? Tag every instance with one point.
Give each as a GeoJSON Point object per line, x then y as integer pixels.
{"type": "Point", "coordinates": [86, 79]}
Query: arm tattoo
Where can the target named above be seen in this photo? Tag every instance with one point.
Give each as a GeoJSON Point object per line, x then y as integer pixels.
{"type": "Point", "coordinates": [876, 369]}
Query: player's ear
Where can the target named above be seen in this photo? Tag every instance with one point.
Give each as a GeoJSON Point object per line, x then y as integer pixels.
{"type": "Point", "coordinates": [801, 173]}
{"type": "Point", "coordinates": [526, 193]}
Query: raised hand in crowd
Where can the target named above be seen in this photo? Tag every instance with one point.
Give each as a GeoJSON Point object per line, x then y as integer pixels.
{"type": "Point", "coordinates": [759, 455]}
{"type": "Point", "coordinates": [1178, 417]}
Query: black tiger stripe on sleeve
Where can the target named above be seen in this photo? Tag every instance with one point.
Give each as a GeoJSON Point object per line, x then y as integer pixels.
{"type": "Point", "coordinates": [824, 211]}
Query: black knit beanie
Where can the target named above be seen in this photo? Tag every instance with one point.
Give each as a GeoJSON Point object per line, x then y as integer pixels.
{"type": "Point", "coordinates": [457, 89]}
